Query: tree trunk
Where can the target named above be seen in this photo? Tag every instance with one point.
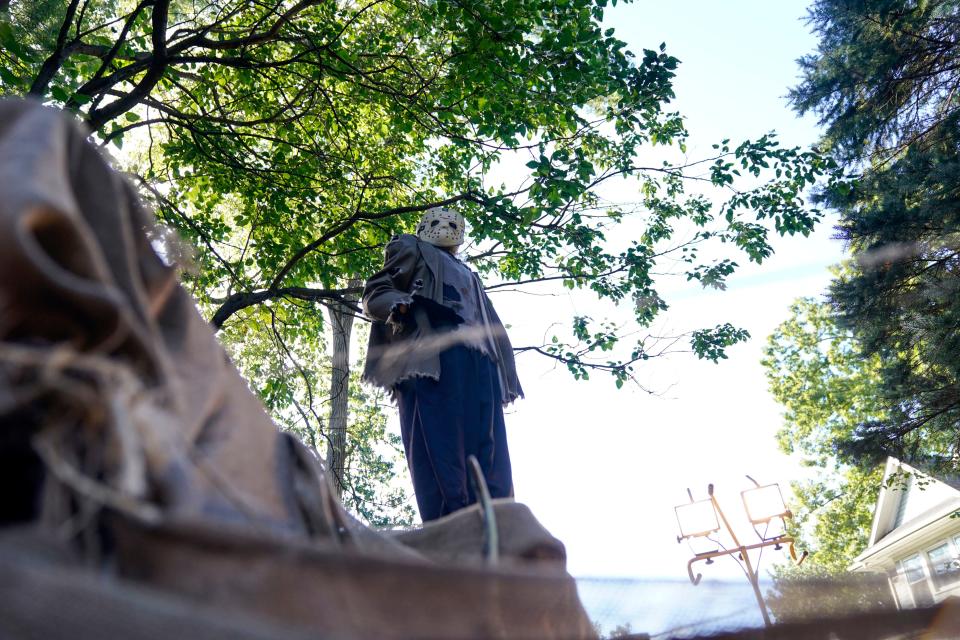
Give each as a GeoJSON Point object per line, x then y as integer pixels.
{"type": "Point", "coordinates": [341, 322]}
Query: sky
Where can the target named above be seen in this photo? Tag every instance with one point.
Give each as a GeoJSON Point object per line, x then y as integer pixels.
{"type": "Point", "coordinates": [603, 468]}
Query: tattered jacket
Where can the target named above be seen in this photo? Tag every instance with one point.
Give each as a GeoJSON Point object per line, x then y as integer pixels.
{"type": "Point", "coordinates": [408, 345]}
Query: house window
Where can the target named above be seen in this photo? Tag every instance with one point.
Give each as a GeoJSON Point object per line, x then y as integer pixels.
{"type": "Point", "coordinates": [944, 565]}
{"type": "Point", "coordinates": [902, 590]}
{"type": "Point", "coordinates": [915, 576]}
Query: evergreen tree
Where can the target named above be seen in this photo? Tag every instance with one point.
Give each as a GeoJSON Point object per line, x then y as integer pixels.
{"type": "Point", "coordinates": [885, 73]}
{"type": "Point", "coordinates": [884, 82]}
{"type": "Point", "coordinates": [902, 301]}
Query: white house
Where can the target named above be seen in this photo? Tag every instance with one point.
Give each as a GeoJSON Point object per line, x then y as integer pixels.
{"type": "Point", "coordinates": [915, 537]}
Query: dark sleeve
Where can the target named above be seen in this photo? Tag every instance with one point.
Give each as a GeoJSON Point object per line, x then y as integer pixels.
{"type": "Point", "coordinates": [513, 389]}
{"type": "Point", "coordinates": [390, 287]}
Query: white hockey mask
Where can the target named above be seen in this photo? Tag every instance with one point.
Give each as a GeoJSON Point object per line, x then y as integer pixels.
{"type": "Point", "coordinates": [441, 227]}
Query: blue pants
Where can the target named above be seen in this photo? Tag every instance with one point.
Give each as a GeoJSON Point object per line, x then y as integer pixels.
{"type": "Point", "coordinates": [442, 422]}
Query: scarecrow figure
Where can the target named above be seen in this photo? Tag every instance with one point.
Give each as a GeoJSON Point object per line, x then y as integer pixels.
{"type": "Point", "coordinates": [439, 347]}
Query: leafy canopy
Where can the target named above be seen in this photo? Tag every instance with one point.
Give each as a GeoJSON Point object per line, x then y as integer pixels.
{"type": "Point", "coordinates": [288, 140]}
{"type": "Point", "coordinates": [828, 387]}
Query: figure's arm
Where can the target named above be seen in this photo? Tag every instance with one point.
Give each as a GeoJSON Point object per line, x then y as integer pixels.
{"type": "Point", "coordinates": [387, 295]}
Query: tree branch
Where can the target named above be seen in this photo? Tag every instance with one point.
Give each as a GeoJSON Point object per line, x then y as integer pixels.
{"type": "Point", "coordinates": [52, 64]}
{"type": "Point", "coordinates": [158, 65]}
{"type": "Point", "coordinates": [107, 56]}
{"type": "Point", "coordinates": [256, 38]}
{"type": "Point", "coordinates": [349, 222]}
{"type": "Point", "coordinates": [242, 300]}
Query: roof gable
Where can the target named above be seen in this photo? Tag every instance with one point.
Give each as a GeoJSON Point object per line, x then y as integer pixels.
{"type": "Point", "coordinates": [905, 494]}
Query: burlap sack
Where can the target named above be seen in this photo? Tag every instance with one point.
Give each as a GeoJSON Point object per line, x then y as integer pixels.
{"type": "Point", "coordinates": [125, 428]}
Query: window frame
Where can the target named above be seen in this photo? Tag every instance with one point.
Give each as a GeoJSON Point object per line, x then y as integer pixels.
{"type": "Point", "coordinates": [924, 579]}
{"type": "Point", "coordinates": [953, 548]}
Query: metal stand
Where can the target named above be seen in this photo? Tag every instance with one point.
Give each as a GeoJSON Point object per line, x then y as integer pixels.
{"type": "Point", "coordinates": [743, 551]}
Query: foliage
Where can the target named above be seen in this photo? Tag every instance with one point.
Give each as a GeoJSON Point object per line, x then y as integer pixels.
{"type": "Point", "coordinates": [827, 385]}
{"type": "Point", "coordinates": [287, 384]}
{"type": "Point", "coordinates": [874, 371]}
{"type": "Point", "coordinates": [815, 592]}
{"type": "Point", "coordinates": [885, 73]}
{"type": "Point", "coordinates": [902, 301]}
{"type": "Point", "coordinates": [884, 82]}
{"type": "Point", "coordinates": [288, 140]}
{"type": "Point", "coordinates": [820, 375]}
{"type": "Point", "coordinates": [375, 474]}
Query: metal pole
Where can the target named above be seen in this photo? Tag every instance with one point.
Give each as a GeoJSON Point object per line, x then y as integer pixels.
{"type": "Point", "coordinates": [745, 554]}
{"type": "Point", "coordinates": [491, 535]}
{"type": "Point", "coordinates": [716, 505]}
{"type": "Point", "coordinates": [755, 583]}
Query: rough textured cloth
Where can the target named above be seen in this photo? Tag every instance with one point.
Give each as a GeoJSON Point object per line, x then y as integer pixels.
{"type": "Point", "coordinates": [96, 326]}
{"type": "Point", "coordinates": [44, 596]}
{"type": "Point", "coordinates": [124, 427]}
{"type": "Point", "coordinates": [463, 294]}
{"type": "Point", "coordinates": [401, 348]}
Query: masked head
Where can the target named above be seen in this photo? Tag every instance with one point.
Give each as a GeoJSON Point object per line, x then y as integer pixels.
{"type": "Point", "coordinates": [441, 227]}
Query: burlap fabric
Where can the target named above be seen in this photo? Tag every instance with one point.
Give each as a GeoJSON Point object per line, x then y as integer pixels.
{"type": "Point", "coordinates": [127, 432]}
